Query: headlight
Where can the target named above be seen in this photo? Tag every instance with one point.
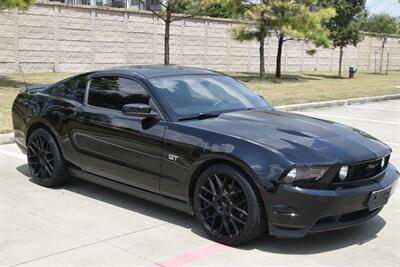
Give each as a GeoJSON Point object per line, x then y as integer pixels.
{"type": "Point", "coordinates": [343, 173]}
{"type": "Point", "coordinates": [304, 173]}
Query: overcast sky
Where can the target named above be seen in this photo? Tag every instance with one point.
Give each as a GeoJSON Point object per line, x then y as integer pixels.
{"type": "Point", "coordinates": [388, 6]}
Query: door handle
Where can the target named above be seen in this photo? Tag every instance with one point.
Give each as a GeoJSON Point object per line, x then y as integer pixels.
{"type": "Point", "coordinates": [79, 118]}
{"type": "Point", "coordinates": [83, 119]}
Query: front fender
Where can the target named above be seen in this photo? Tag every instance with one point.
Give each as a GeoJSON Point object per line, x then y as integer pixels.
{"type": "Point", "coordinates": [261, 164]}
{"type": "Point", "coordinates": [193, 148]}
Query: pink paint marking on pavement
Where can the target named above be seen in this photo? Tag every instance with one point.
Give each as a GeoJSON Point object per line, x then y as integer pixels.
{"type": "Point", "coordinates": [190, 256]}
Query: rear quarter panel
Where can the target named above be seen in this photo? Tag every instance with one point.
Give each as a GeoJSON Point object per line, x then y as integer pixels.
{"type": "Point", "coordinates": [58, 114]}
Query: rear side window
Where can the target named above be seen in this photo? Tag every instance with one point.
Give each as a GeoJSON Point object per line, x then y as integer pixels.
{"type": "Point", "coordinates": [114, 92]}
{"type": "Point", "coordinates": [73, 89]}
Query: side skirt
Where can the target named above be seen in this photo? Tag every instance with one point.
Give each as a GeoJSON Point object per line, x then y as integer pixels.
{"type": "Point", "coordinates": [134, 191]}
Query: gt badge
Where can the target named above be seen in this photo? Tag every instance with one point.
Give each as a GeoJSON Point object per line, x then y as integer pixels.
{"type": "Point", "coordinates": [173, 157]}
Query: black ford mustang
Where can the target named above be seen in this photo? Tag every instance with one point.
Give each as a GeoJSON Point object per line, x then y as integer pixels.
{"type": "Point", "coordinates": [201, 142]}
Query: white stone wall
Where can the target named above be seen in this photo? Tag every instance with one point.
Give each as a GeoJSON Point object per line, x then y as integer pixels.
{"type": "Point", "coordinates": [62, 38]}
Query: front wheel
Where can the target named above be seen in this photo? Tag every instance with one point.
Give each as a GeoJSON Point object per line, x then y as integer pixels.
{"type": "Point", "coordinates": [227, 207]}
{"type": "Point", "coordinates": [44, 159]}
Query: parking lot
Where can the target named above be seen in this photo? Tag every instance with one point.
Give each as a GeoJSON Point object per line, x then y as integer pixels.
{"type": "Point", "coordinates": [86, 224]}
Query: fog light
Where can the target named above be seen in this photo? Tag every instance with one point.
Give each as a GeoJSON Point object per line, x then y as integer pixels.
{"type": "Point", "coordinates": [291, 176]}
{"type": "Point", "coordinates": [343, 173]}
{"type": "Point", "coordinates": [383, 163]}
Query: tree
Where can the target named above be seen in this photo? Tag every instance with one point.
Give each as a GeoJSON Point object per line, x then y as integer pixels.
{"type": "Point", "coordinates": [381, 25]}
{"type": "Point", "coordinates": [247, 31]}
{"type": "Point", "coordinates": [398, 24]}
{"type": "Point", "coordinates": [168, 11]}
{"type": "Point", "coordinates": [288, 19]}
{"type": "Point", "coordinates": [299, 20]}
{"type": "Point", "coordinates": [16, 4]}
{"type": "Point", "coordinates": [345, 26]}
{"type": "Point", "coordinates": [212, 8]}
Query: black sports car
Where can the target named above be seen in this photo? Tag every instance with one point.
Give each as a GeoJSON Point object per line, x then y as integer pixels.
{"type": "Point", "coordinates": [201, 142]}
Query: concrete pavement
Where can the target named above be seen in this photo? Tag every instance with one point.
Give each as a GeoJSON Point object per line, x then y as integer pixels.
{"type": "Point", "coordinates": [83, 224]}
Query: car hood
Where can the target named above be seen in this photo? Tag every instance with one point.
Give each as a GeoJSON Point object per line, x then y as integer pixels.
{"type": "Point", "coordinates": [308, 140]}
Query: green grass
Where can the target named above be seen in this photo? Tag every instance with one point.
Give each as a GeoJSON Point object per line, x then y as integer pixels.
{"type": "Point", "coordinates": [309, 87]}
{"type": "Point", "coordinates": [293, 88]}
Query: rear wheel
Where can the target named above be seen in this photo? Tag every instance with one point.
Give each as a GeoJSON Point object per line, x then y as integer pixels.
{"type": "Point", "coordinates": [227, 207]}
{"type": "Point", "coordinates": [45, 160]}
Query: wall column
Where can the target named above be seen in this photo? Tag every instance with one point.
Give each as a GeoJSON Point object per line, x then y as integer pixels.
{"type": "Point", "coordinates": [248, 55]}
{"type": "Point", "coordinates": [154, 59]}
{"type": "Point", "coordinates": [56, 37]}
{"type": "Point", "coordinates": [92, 41]}
{"type": "Point", "coordinates": [302, 55]}
{"type": "Point", "coordinates": [369, 52]}
{"type": "Point", "coordinates": [181, 46]}
{"type": "Point", "coordinates": [16, 42]}
{"type": "Point", "coordinates": [205, 43]}
{"type": "Point", "coordinates": [285, 48]}
{"type": "Point", "coordinates": [228, 49]}
{"type": "Point", "coordinates": [126, 38]}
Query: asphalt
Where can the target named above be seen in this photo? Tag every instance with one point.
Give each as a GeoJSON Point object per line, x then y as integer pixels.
{"type": "Point", "coordinates": [82, 224]}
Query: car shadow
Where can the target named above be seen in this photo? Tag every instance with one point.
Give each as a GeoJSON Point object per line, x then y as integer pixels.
{"type": "Point", "coordinates": [8, 82]}
{"type": "Point", "coordinates": [270, 78]}
{"type": "Point", "coordinates": [311, 244]}
{"type": "Point", "coordinates": [320, 242]}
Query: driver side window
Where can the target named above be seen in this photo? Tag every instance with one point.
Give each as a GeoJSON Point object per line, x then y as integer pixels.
{"type": "Point", "coordinates": [113, 92]}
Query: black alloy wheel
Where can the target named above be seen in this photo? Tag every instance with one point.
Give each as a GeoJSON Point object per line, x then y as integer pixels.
{"type": "Point", "coordinates": [41, 158]}
{"type": "Point", "coordinates": [44, 159]}
{"type": "Point", "coordinates": [227, 207]}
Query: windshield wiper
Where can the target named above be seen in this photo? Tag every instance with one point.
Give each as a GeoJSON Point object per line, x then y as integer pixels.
{"type": "Point", "coordinates": [200, 116]}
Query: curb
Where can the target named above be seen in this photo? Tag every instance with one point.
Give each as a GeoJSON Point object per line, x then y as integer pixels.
{"type": "Point", "coordinates": [9, 138]}
{"type": "Point", "coordinates": [336, 103]}
{"type": "Point", "coordinates": [6, 138]}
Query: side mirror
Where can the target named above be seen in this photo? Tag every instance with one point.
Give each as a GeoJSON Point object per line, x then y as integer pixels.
{"type": "Point", "coordinates": [138, 110]}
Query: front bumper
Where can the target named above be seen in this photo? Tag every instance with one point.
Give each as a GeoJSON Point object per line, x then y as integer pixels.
{"type": "Point", "coordinates": [293, 212]}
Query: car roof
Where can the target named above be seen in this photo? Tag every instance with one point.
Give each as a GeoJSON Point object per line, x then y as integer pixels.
{"type": "Point", "coordinates": [152, 71]}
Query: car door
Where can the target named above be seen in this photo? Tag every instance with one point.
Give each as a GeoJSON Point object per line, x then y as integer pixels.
{"type": "Point", "coordinates": [115, 146]}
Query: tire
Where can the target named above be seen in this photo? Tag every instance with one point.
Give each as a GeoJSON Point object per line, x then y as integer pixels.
{"type": "Point", "coordinates": [227, 207]}
{"type": "Point", "coordinates": [44, 159]}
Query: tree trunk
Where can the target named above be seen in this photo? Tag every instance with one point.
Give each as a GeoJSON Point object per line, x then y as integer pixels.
{"type": "Point", "coordinates": [340, 61]}
{"type": "Point", "coordinates": [166, 40]}
{"type": "Point", "coordinates": [262, 56]}
{"type": "Point", "coordinates": [279, 56]}
{"type": "Point", "coordinates": [383, 48]}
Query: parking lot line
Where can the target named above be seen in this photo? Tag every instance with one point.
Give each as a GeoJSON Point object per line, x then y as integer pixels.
{"type": "Point", "coordinates": [348, 118]}
{"type": "Point", "coordinates": [12, 154]}
{"type": "Point", "coordinates": [191, 255]}
{"type": "Point", "coordinates": [373, 108]}
{"type": "Point", "coordinates": [100, 241]}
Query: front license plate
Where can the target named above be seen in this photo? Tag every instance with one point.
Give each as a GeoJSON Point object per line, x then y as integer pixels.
{"type": "Point", "coordinates": [379, 198]}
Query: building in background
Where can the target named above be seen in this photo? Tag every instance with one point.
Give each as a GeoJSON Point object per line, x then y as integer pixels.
{"type": "Point", "coordinates": [131, 4]}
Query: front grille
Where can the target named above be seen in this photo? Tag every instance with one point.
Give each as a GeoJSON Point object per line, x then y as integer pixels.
{"type": "Point", "coordinates": [344, 219]}
{"type": "Point", "coordinates": [364, 170]}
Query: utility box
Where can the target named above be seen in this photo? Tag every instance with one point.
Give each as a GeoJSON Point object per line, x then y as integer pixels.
{"type": "Point", "coordinates": [352, 71]}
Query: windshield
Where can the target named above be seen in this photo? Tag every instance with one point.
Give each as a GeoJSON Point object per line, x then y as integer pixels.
{"type": "Point", "coordinates": [197, 94]}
